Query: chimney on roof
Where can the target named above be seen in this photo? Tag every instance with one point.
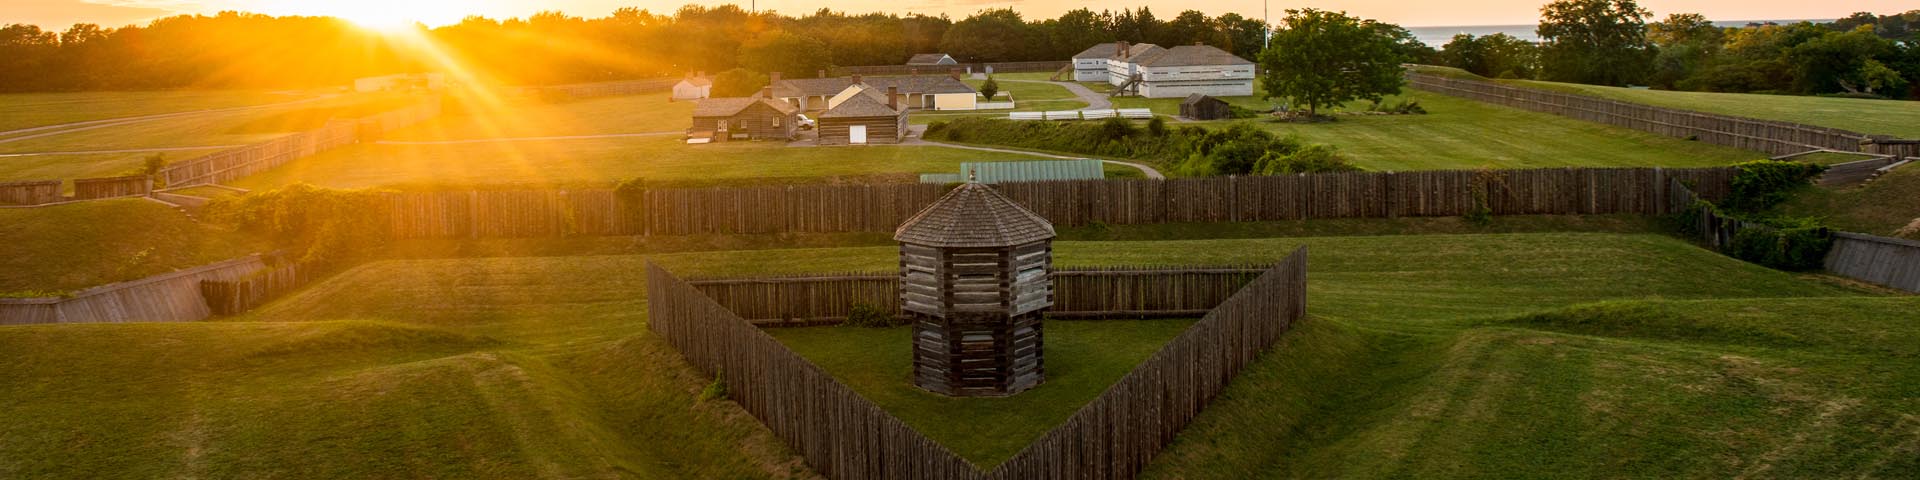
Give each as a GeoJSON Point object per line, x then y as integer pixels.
{"type": "Point", "coordinates": [856, 79]}
{"type": "Point", "coordinates": [823, 73]}
{"type": "Point", "coordinates": [913, 72]}
{"type": "Point", "coordinates": [773, 77]}
{"type": "Point", "coordinates": [1126, 50]}
{"type": "Point", "coordinates": [1199, 44]}
{"type": "Point", "coordinates": [954, 72]}
{"type": "Point", "coordinates": [702, 74]}
{"type": "Point", "coordinates": [766, 92]}
{"type": "Point", "coordinates": [893, 98]}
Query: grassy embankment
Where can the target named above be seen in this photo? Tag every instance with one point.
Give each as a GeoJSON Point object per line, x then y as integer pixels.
{"type": "Point", "coordinates": [28, 110]}
{"type": "Point", "coordinates": [1426, 354]}
{"type": "Point", "coordinates": [1876, 117]}
{"type": "Point", "coordinates": [63, 248]}
{"type": "Point", "coordinates": [1889, 206]}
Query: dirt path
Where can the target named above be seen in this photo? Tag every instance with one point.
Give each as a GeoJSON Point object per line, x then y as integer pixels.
{"type": "Point", "coordinates": [1095, 101]}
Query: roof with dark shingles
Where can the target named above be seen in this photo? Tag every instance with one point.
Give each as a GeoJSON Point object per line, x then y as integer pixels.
{"type": "Point", "coordinates": [813, 87]}
{"type": "Point", "coordinates": [730, 106]}
{"type": "Point", "coordinates": [974, 215]}
{"type": "Point", "coordinates": [1187, 56]}
{"type": "Point", "coordinates": [1104, 50]}
{"type": "Point", "coordinates": [868, 103]}
{"type": "Point", "coordinates": [926, 59]}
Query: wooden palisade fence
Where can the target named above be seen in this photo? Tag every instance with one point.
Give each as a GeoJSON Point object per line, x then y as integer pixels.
{"type": "Point", "coordinates": [238, 295]}
{"type": "Point", "coordinates": [1889, 262]}
{"type": "Point", "coordinates": [1079, 292]}
{"type": "Point", "coordinates": [1776, 138]}
{"type": "Point", "coordinates": [882, 207]}
{"type": "Point", "coordinates": [169, 297]}
{"type": "Point", "coordinates": [43, 192]}
{"type": "Point", "coordinates": [233, 164]}
{"type": "Point", "coordinates": [845, 436]}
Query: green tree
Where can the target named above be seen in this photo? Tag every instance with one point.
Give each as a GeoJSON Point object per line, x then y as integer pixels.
{"type": "Point", "coordinates": [989, 88]}
{"type": "Point", "coordinates": [788, 53]}
{"type": "Point", "coordinates": [997, 35]}
{"type": "Point", "coordinates": [1847, 62]}
{"type": "Point", "coordinates": [1687, 42]}
{"type": "Point", "coordinates": [1245, 36]}
{"type": "Point", "coordinates": [737, 82]}
{"type": "Point", "coordinates": [1602, 42]}
{"type": "Point", "coordinates": [1328, 58]}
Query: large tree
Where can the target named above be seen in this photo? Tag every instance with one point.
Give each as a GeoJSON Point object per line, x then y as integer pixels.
{"type": "Point", "coordinates": [779, 51]}
{"type": "Point", "coordinates": [1327, 58]}
{"type": "Point", "coordinates": [991, 35]}
{"type": "Point", "coordinates": [1601, 42]}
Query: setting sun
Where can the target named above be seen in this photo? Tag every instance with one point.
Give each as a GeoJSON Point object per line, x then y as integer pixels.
{"type": "Point", "coordinates": [385, 15]}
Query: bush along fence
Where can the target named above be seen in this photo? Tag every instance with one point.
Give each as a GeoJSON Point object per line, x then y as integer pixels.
{"type": "Point", "coordinates": [233, 164]}
{"type": "Point", "coordinates": [1079, 292]}
{"type": "Point", "coordinates": [882, 207]}
{"type": "Point", "coordinates": [842, 435]}
{"type": "Point", "coordinates": [1889, 262]}
{"type": "Point", "coordinates": [1775, 138]}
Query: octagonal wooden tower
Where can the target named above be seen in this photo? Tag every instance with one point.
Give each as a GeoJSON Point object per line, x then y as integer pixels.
{"type": "Point", "coordinates": [975, 278]}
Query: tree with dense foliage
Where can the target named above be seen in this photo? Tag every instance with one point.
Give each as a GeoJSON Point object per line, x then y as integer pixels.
{"type": "Point", "coordinates": [1601, 42]}
{"type": "Point", "coordinates": [737, 82]}
{"type": "Point", "coordinates": [989, 88]}
{"type": "Point", "coordinates": [1686, 42]}
{"type": "Point", "coordinates": [1496, 56]}
{"type": "Point", "coordinates": [1327, 58]}
{"type": "Point", "coordinates": [780, 51]}
{"type": "Point", "coordinates": [998, 33]}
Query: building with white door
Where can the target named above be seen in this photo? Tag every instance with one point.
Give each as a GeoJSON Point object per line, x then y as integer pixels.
{"type": "Point", "coordinates": [1153, 71]}
{"type": "Point", "coordinates": [865, 116]}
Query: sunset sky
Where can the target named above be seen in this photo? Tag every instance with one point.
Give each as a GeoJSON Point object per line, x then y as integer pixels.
{"type": "Point", "coordinates": [57, 14]}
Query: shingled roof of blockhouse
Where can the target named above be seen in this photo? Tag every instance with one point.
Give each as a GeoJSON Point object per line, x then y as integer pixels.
{"type": "Point", "coordinates": [972, 216]}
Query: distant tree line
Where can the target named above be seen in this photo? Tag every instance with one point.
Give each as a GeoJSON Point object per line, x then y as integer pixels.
{"type": "Point", "coordinates": [248, 50]}
{"type": "Point", "coordinates": [1611, 42]}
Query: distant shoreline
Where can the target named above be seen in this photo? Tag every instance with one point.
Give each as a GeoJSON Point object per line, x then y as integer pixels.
{"type": "Point", "coordinates": [1436, 36]}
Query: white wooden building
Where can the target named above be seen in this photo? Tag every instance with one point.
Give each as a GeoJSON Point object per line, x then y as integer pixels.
{"type": "Point", "coordinates": [918, 92]}
{"type": "Point", "coordinates": [693, 87]}
{"type": "Point", "coordinates": [1153, 71]}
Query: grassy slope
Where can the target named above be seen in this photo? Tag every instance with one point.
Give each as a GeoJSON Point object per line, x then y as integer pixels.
{"type": "Point", "coordinates": [1459, 133]}
{"type": "Point", "coordinates": [26, 110]}
{"type": "Point", "coordinates": [70, 247]}
{"type": "Point", "coordinates": [471, 116]}
{"type": "Point", "coordinates": [543, 365]}
{"type": "Point", "coordinates": [1875, 117]}
{"type": "Point", "coordinates": [1888, 206]}
{"type": "Point", "coordinates": [657, 159]}
{"type": "Point", "coordinates": [1083, 359]}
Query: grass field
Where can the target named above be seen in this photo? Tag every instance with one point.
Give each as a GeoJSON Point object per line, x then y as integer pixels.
{"type": "Point", "coordinates": [1083, 358]}
{"type": "Point", "coordinates": [26, 110]}
{"type": "Point", "coordinates": [470, 117]}
{"type": "Point", "coordinates": [1427, 356]}
{"type": "Point", "coordinates": [1873, 117]}
{"type": "Point", "coordinates": [1889, 206]}
{"type": "Point", "coordinates": [661, 159]}
{"type": "Point", "coordinates": [1460, 134]}
{"type": "Point", "coordinates": [214, 131]}
{"type": "Point", "coordinates": [62, 248]}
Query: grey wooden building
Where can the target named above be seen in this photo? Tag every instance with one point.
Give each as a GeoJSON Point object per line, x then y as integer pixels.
{"type": "Point", "coordinates": [975, 278]}
{"type": "Point", "coordinates": [756, 118]}
{"type": "Point", "coordinates": [1202, 107]}
{"type": "Point", "coordinates": [866, 117]}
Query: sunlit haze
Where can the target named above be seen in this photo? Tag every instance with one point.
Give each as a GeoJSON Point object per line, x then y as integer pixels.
{"type": "Point", "coordinates": [59, 13]}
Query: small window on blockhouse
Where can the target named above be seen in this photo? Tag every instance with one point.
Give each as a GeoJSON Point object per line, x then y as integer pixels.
{"type": "Point", "coordinates": [776, 122]}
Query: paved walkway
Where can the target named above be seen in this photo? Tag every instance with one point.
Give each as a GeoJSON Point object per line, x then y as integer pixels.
{"type": "Point", "coordinates": [1095, 101]}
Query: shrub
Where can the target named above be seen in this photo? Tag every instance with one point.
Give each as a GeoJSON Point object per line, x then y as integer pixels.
{"type": "Point", "coordinates": [1157, 127]}
{"type": "Point", "coordinates": [1236, 149]}
{"type": "Point", "coordinates": [989, 88]}
{"type": "Point", "coordinates": [867, 315]}
{"type": "Point", "coordinates": [316, 225]}
{"type": "Point", "coordinates": [1762, 184]}
{"type": "Point", "coordinates": [717, 390]}
{"type": "Point", "coordinates": [1116, 128]}
{"type": "Point", "coordinates": [1795, 244]}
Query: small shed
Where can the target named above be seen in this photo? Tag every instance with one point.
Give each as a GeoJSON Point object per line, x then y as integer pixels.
{"type": "Point", "coordinates": [865, 117]}
{"type": "Point", "coordinates": [755, 118]}
{"type": "Point", "coordinates": [1203, 107]}
{"type": "Point", "coordinates": [693, 87]}
{"type": "Point", "coordinates": [976, 277]}
{"type": "Point", "coordinates": [929, 59]}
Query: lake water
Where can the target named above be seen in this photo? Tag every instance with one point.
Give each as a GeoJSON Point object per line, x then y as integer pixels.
{"type": "Point", "coordinates": [1437, 36]}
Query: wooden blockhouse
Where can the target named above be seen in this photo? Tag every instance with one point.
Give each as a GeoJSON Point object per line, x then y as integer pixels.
{"type": "Point", "coordinates": [1202, 107]}
{"type": "Point", "coordinates": [757, 118]}
{"type": "Point", "coordinates": [865, 117]}
{"type": "Point", "coordinates": [975, 278]}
